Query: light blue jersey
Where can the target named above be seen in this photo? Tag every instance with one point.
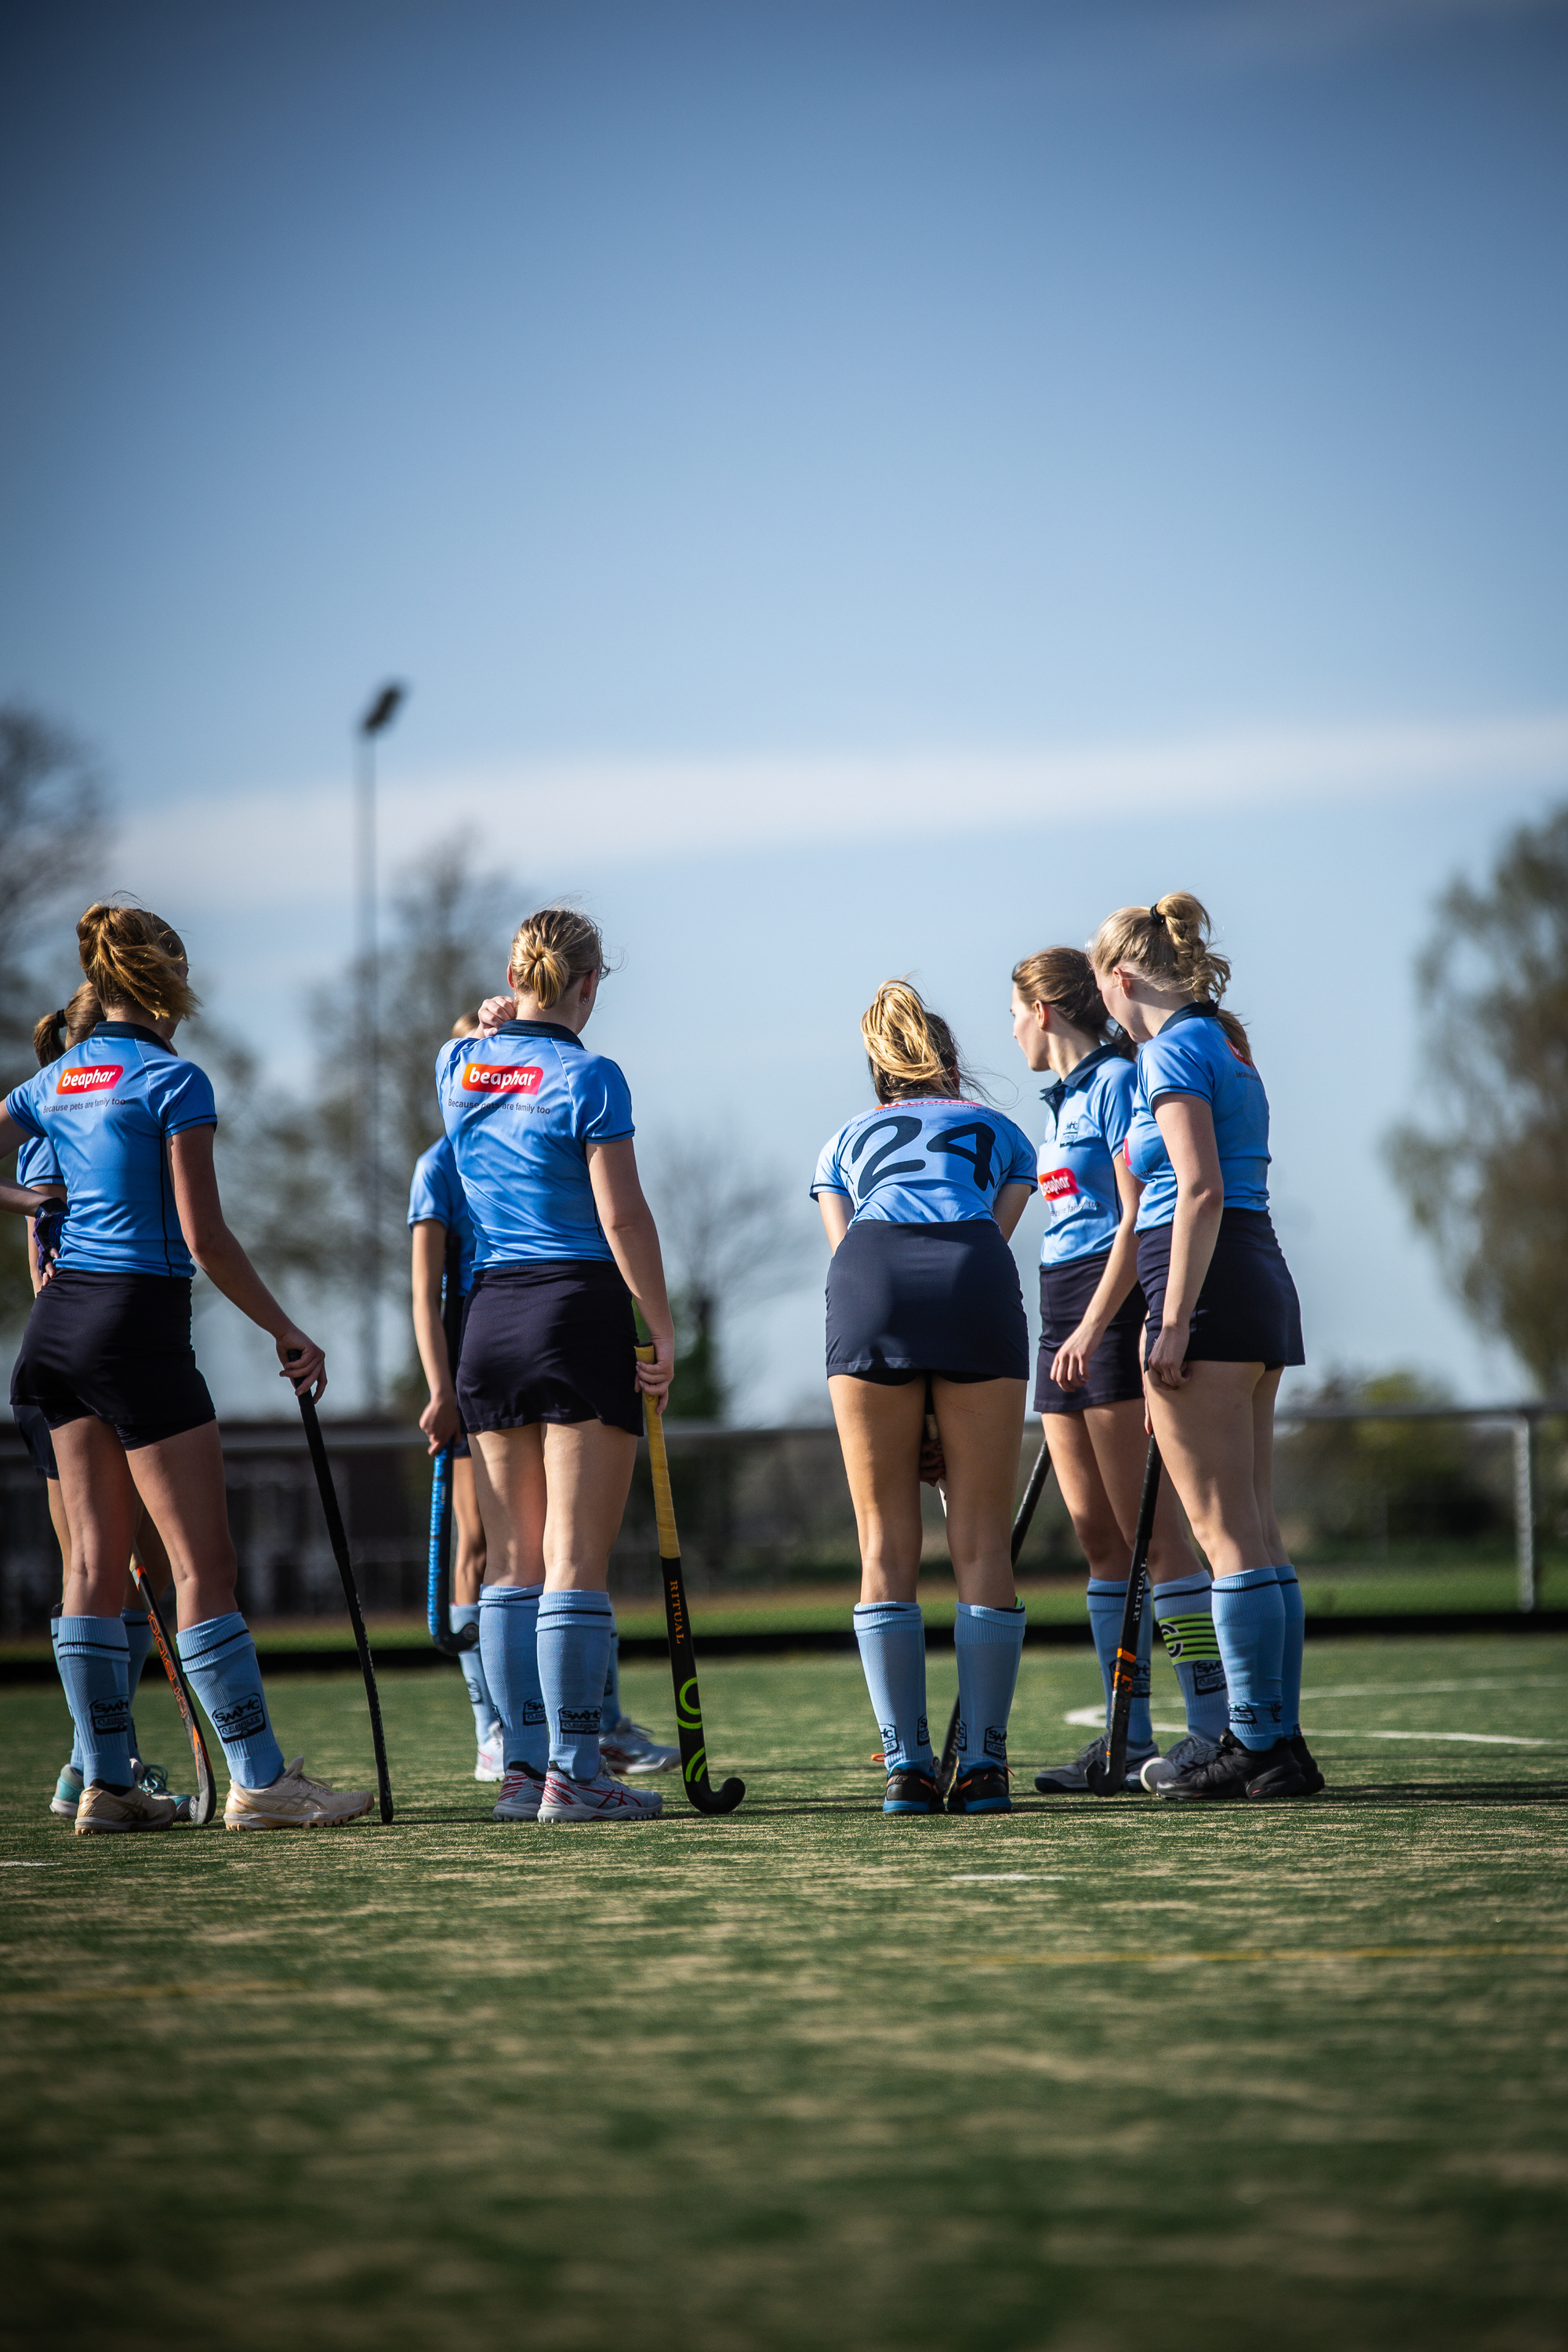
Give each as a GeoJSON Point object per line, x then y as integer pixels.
{"type": "Point", "coordinates": [1086, 1118]}
{"type": "Point", "coordinates": [1193, 1056]}
{"type": "Point", "coordinates": [932, 1160]}
{"type": "Point", "coordinates": [35, 1161]}
{"type": "Point", "coordinates": [108, 1109]}
{"type": "Point", "coordinates": [521, 1109]}
{"type": "Point", "coordinates": [436, 1195]}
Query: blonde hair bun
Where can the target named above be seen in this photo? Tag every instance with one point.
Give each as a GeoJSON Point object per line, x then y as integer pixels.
{"type": "Point", "coordinates": [911, 1050]}
{"type": "Point", "coordinates": [1170, 941]}
{"type": "Point", "coordinates": [554, 949]}
{"type": "Point", "coordinates": [134, 957]}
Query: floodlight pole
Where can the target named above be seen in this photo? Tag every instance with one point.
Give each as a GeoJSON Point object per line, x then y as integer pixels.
{"type": "Point", "coordinates": [366, 1095]}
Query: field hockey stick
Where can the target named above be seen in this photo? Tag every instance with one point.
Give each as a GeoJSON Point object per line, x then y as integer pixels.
{"type": "Point", "coordinates": [1032, 1493]}
{"type": "Point", "coordinates": [340, 1543]}
{"type": "Point", "coordinates": [1107, 1775]}
{"type": "Point", "coordinates": [438, 1578]}
{"type": "Point", "coordinates": [677, 1620]}
{"type": "Point", "coordinates": [206, 1796]}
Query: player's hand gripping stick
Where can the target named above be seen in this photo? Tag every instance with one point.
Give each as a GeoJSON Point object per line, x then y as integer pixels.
{"type": "Point", "coordinates": [677, 1620]}
{"type": "Point", "coordinates": [340, 1543]}
{"type": "Point", "coordinates": [1107, 1775]}
{"type": "Point", "coordinates": [1032, 1493]}
{"type": "Point", "coordinates": [206, 1797]}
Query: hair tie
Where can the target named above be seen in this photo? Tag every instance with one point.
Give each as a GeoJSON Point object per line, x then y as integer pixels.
{"type": "Point", "coordinates": [1156, 917]}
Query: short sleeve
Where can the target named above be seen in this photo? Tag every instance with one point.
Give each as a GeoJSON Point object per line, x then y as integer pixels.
{"type": "Point", "coordinates": [1117, 1104]}
{"type": "Point", "coordinates": [429, 1197]}
{"type": "Point", "coordinates": [1022, 1162]}
{"type": "Point", "coordinates": [36, 1163]}
{"type": "Point", "coordinates": [1177, 1066]}
{"type": "Point", "coordinates": [829, 1176]}
{"type": "Point", "coordinates": [185, 1099]}
{"type": "Point", "coordinates": [603, 1102]}
{"type": "Point", "coordinates": [19, 1107]}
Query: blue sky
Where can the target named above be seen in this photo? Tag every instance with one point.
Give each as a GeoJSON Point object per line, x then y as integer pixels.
{"type": "Point", "coordinates": [854, 489]}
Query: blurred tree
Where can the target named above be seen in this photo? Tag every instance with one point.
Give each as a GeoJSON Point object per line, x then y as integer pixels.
{"type": "Point", "coordinates": [729, 1241]}
{"type": "Point", "coordinates": [1355, 1482]}
{"type": "Point", "coordinates": [1491, 1188]}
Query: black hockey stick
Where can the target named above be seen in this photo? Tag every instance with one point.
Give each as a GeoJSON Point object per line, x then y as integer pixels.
{"type": "Point", "coordinates": [1107, 1774]}
{"type": "Point", "coordinates": [1032, 1493]}
{"type": "Point", "coordinates": [677, 1621]}
{"type": "Point", "coordinates": [340, 1543]}
{"type": "Point", "coordinates": [438, 1585]}
{"type": "Point", "coordinates": [206, 1796]}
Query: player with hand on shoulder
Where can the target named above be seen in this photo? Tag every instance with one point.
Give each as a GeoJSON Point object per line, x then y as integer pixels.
{"type": "Point", "coordinates": [1223, 1322]}
{"type": "Point", "coordinates": [106, 1358]}
{"type": "Point", "coordinates": [918, 1197]}
{"type": "Point", "coordinates": [549, 1385]}
{"type": "Point", "coordinates": [1088, 1378]}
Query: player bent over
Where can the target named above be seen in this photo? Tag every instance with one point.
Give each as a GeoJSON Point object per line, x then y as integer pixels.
{"type": "Point", "coordinates": [1223, 1322]}
{"type": "Point", "coordinates": [918, 1197]}
{"type": "Point", "coordinates": [548, 1381]}
{"type": "Point", "coordinates": [1088, 1377]}
{"type": "Point", "coordinates": [106, 1358]}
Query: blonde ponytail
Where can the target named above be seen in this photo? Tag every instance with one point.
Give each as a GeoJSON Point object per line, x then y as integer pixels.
{"type": "Point", "coordinates": [911, 1050]}
{"type": "Point", "coordinates": [553, 951]}
{"type": "Point", "coordinates": [1170, 941]}
{"type": "Point", "coordinates": [132, 957]}
{"type": "Point", "coordinates": [68, 1026]}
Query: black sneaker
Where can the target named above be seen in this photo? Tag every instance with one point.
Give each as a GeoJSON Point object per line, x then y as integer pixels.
{"type": "Point", "coordinates": [913, 1789]}
{"type": "Point", "coordinates": [1238, 1771]}
{"type": "Point", "coordinates": [1310, 1770]}
{"type": "Point", "coordinates": [982, 1790]}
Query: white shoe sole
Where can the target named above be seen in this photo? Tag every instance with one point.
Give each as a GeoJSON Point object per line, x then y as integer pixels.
{"type": "Point", "coordinates": [292, 1822]}
{"type": "Point", "coordinates": [119, 1829]}
{"type": "Point", "coordinates": [595, 1821]}
{"type": "Point", "coordinates": [61, 1810]}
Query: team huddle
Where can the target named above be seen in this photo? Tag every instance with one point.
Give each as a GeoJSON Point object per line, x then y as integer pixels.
{"type": "Point", "coordinates": [1166, 1307]}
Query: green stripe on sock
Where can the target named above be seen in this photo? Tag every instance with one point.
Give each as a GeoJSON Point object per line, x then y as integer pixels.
{"type": "Point", "coordinates": [1191, 1639]}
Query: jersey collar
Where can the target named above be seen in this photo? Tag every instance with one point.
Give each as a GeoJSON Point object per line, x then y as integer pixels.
{"type": "Point", "coordinates": [132, 1029]}
{"type": "Point", "coordinates": [1190, 1013]}
{"type": "Point", "coordinates": [1057, 1093]}
{"type": "Point", "coordinates": [541, 1029]}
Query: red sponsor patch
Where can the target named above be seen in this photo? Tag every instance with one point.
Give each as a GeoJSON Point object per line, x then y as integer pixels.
{"type": "Point", "coordinates": [500, 1078]}
{"type": "Point", "coordinates": [1058, 1184]}
{"type": "Point", "coordinates": [91, 1078]}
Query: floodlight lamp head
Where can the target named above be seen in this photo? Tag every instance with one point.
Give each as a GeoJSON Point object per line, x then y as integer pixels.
{"type": "Point", "coordinates": [384, 710]}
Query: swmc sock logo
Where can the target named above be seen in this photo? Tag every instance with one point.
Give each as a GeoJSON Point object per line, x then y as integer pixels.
{"type": "Point", "coordinates": [500, 1078]}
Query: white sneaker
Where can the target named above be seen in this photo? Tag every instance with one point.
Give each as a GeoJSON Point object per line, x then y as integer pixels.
{"type": "Point", "coordinates": [629, 1749]}
{"type": "Point", "coordinates": [68, 1793]}
{"type": "Point", "coordinates": [520, 1796]}
{"type": "Point", "coordinates": [1192, 1749]}
{"type": "Point", "coordinates": [102, 1810]}
{"type": "Point", "coordinates": [490, 1763]}
{"type": "Point", "coordinates": [294, 1801]}
{"type": "Point", "coordinates": [602, 1799]}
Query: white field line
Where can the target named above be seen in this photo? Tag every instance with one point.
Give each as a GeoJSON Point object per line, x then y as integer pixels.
{"type": "Point", "coordinates": [1093, 1718]}
{"type": "Point", "coordinates": [1001, 1877]}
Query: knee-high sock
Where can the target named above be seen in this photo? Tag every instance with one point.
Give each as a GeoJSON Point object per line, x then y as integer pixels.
{"type": "Point", "coordinates": [1295, 1643]}
{"type": "Point", "coordinates": [1249, 1625]}
{"type": "Point", "coordinates": [1184, 1614]}
{"type": "Point", "coordinates": [575, 1630]}
{"type": "Point", "coordinates": [892, 1635]}
{"type": "Point", "coordinates": [471, 1667]}
{"type": "Point", "coordinates": [219, 1659]}
{"type": "Point", "coordinates": [610, 1710]}
{"type": "Point", "coordinates": [1107, 1600]}
{"type": "Point", "coordinates": [75, 1730]}
{"type": "Point", "coordinates": [989, 1643]}
{"type": "Point", "coordinates": [91, 1655]}
{"type": "Point", "coordinates": [508, 1652]}
{"type": "Point", "coordinates": [139, 1649]}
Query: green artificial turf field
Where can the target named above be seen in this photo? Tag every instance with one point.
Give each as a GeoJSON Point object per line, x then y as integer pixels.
{"type": "Point", "coordinates": [1093, 2076]}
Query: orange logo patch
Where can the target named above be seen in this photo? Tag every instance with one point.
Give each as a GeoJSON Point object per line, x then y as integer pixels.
{"type": "Point", "coordinates": [96, 1078]}
{"type": "Point", "coordinates": [500, 1078]}
{"type": "Point", "coordinates": [1060, 1184]}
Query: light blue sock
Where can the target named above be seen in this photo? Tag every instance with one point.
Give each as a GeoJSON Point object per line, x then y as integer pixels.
{"type": "Point", "coordinates": [75, 1733]}
{"type": "Point", "coordinates": [989, 1642]}
{"type": "Point", "coordinates": [91, 1655]}
{"type": "Point", "coordinates": [1186, 1616]}
{"type": "Point", "coordinates": [139, 1649]}
{"type": "Point", "coordinates": [575, 1630]}
{"type": "Point", "coordinates": [1295, 1643]}
{"type": "Point", "coordinates": [1107, 1600]}
{"type": "Point", "coordinates": [892, 1639]}
{"type": "Point", "coordinates": [219, 1659]}
{"type": "Point", "coordinates": [1249, 1626]}
{"type": "Point", "coordinates": [471, 1666]}
{"type": "Point", "coordinates": [508, 1652]}
{"type": "Point", "coordinates": [610, 1712]}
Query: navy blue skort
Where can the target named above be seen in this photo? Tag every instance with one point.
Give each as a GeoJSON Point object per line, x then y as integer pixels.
{"type": "Point", "coordinates": [903, 1300]}
{"type": "Point", "coordinates": [34, 1433]}
{"type": "Point", "coordinates": [1248, 1310]}
{"type": "Point", "coordinates": [550, 1339]}
{"type": "Point", "coordinates": [1116, 1367]}
{"type": "Point", "coordinates": [117, 1348]}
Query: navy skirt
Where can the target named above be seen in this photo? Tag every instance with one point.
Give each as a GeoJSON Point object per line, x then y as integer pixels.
{"type": "Point", "coordinates": [554, 1339]}
{"type": "Point", "coordinates": [114, 1348]}
{"type": "Point", "coordinates": [908, 1299]}
{"type": "Point", "coordinates": [1116, 1367]}
{"type": "Point", "coordinates": [1248, 1310]}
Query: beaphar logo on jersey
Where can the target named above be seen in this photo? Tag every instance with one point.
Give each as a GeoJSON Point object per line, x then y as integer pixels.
{"type": "Point", "coordinates": [91, 1078]}
{"type": "Point", "coordinates": [500, 1078]}
{"type": "Point", "coordinates": [1058, 1184]}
